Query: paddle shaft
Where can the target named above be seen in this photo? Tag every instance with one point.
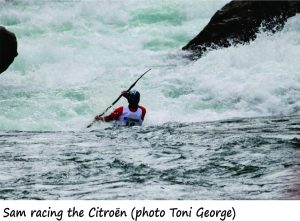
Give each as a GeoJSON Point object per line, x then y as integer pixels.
{"type": "Point", "coordinates": [119, 98]}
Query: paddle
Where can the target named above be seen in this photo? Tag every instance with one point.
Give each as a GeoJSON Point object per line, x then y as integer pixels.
{"type": "Point", "coordinates": [118, 98]}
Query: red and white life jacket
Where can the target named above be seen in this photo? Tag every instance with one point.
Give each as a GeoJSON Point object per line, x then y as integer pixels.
{"type": "Point", "coordinates": [129, 118]}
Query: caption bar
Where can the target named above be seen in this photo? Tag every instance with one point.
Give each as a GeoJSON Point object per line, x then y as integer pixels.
{"type": "Point", "coordinates": [149, 210]}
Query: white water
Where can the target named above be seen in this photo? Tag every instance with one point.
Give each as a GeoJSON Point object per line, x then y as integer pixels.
{"type": "Point", "coordinates": [75, 57]}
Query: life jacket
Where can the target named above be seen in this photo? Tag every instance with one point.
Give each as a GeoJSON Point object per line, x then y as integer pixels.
{"type": "Point", "coordinates": [129, 118]}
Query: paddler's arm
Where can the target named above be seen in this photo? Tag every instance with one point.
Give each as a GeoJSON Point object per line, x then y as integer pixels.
{"type": "Point", "coordinates": [113, 116]}
{"type": "Point", "coordinates": [104, 119]}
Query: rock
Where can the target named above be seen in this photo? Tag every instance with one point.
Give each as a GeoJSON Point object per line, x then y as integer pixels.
{"type": "Point", "coordinates": [240, 21]}
{"type": "Point", "coordinates": [8, 48]}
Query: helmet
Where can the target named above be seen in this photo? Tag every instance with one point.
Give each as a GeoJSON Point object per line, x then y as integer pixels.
{"type": "Point", "coordinates": [133, 97]}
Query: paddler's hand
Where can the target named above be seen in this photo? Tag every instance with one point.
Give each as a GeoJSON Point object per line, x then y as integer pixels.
{"type": "Point", "coordinates": [125, 94]}
{"type": "Point", "coordinates": [99, 118]}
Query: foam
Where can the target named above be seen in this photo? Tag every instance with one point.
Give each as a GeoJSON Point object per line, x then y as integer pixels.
{"type": "Point", "coordinates": [80, 55]}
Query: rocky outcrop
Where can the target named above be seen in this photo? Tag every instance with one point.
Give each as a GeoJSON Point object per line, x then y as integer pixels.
{"type": "Point", "coordinates": [240, 21]}
{"type": "Point", "coordinates": [8, 48]}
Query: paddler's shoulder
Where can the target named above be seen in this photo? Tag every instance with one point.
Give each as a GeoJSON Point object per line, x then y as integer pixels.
{"type": "Point", "coordinates": [143, 109]}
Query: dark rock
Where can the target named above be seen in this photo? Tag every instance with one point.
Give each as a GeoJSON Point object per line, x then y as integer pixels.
{"type": "Point", "coordinates": [8, 48]}
{"type": "Point", "coordinates": [239, 21]}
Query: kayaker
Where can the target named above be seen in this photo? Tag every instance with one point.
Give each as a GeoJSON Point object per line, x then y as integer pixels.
{"type": "Point", "coordinates": [131, 115]}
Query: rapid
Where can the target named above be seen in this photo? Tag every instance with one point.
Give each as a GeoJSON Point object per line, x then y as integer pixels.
{"type": "Point", "coordinates": [225, 126]}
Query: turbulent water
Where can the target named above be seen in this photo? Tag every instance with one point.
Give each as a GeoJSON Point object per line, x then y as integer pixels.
{"type": "Point", "coordinates": [223, 127]}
